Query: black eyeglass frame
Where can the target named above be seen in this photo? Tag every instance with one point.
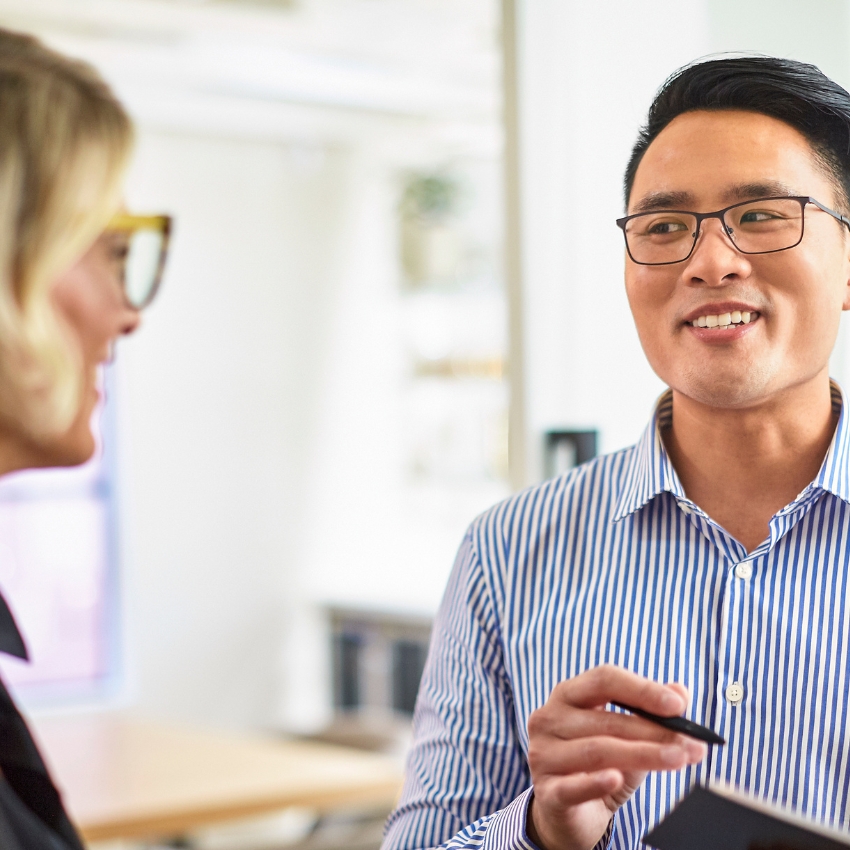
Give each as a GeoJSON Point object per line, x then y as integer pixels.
{"type": "Point", "coordinates": [803, 200]}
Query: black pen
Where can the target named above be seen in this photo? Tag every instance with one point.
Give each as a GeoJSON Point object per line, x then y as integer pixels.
{"type": "Point", "coordinates": [677, 724]}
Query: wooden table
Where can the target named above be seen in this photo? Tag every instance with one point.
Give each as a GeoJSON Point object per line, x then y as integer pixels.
{"type": "Point", "coordinates": [127, 778]}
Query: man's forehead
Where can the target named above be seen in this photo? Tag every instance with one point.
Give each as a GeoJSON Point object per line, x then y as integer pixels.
{"type": "Point", "coordinates": [684, 199]}
{"type": "Point", "coordinates": [710, 159]}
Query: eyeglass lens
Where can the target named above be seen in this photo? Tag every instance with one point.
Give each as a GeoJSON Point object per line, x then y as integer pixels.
{"type": "Point", "coordinates": [143, 265]}
{"type": "Point", "coordinates": [756, 227]}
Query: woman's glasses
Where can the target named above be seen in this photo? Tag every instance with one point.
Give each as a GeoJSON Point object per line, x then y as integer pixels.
{"type": "Point", "coordinates": [143, 249]}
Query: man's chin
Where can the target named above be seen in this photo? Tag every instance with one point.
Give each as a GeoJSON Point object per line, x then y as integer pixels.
{"type": "Point", "coordinates": [732, 391]}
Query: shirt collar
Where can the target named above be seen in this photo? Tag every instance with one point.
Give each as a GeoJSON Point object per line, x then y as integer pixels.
{"type": "Point", "coordinates": [834, 473]}
{"type": "Point", "coordinates": [650, 471]}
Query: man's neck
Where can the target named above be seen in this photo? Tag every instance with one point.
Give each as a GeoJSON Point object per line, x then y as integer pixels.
{"type": "Point", "coordinates": [741, 466]}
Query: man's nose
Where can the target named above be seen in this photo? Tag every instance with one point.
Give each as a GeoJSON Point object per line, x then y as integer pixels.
{"type": "Point", "coordinates": [715, 258]}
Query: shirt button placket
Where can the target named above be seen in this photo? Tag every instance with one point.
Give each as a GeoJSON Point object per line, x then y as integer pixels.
{"type": "Point", "coordinates": [734, 693]}
{"type": "Point", "coordinates": [730, 688]}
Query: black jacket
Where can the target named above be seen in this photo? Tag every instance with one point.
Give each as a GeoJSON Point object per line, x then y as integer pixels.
{"type": "Point", "coordinates": [31, 812]}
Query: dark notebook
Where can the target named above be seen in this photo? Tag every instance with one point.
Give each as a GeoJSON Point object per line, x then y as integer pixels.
{"type": "Point", "coordinates": [723, 819]}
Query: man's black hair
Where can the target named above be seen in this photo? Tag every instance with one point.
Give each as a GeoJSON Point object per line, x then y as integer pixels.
{"type": "Point", "coordinates": [798, 94]}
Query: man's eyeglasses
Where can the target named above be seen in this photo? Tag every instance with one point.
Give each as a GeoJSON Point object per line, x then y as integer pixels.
{"type": "Point", "coordinates": [143, 254]}
{"type": "Point", "coordinates": [762, 226]}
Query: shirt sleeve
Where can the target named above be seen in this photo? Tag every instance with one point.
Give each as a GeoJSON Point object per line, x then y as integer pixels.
{"type": "Point", "coordinates": [467, 782]}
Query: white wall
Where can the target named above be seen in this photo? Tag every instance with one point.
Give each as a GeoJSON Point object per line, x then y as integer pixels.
{"type": "Point", "coordinates": [816, 31]}
{"type": "Point", "coordinates": [217, 407]}
{"type": "Point", "coordinates": [589, 71]}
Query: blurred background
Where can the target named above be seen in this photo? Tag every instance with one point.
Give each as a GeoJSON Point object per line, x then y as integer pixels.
{"type": "Point", "coordinates": [395, 295]}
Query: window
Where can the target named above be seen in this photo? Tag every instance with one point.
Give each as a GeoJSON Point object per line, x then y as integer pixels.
{"type": "Point", "coordinates": [58, 574]}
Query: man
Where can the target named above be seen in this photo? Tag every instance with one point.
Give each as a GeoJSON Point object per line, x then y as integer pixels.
{"type": "Point", "coordinates": [713, 556]}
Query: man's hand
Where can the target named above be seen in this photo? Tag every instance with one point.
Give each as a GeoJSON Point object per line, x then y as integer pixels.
{"type": "Point", "coordinates": [586, 762]}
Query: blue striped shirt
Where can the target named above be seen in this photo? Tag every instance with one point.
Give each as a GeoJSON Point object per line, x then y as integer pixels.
{"type": "Point", "coordinates": [612, 563]}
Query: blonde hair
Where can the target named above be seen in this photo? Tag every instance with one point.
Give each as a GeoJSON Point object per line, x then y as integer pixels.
{"type": "Point", "coordinates": [64, 144]}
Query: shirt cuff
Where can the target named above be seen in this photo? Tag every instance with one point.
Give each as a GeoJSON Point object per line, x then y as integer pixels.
{"type": "Point", "coordinates": [507, 829]}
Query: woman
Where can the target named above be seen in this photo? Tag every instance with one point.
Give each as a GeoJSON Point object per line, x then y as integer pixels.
{"type": "Point", "coordinates": [74, 275]}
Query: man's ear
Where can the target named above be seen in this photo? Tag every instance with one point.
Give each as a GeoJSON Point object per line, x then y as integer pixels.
{"type": "Point", "coordinates": [846, 303]}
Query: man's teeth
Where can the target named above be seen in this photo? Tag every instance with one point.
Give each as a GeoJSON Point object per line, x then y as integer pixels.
{"type": "Point", "coordinates": [725, 320]}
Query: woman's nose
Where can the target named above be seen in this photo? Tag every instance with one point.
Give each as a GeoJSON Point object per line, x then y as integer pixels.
{"type": "Point", "coordinates": [130, 321]}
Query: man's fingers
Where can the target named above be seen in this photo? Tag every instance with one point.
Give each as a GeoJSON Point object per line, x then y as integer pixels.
{"type": "Point", "coordinates": [579, 753]}
{"type": "Point", "coordinates": [570, 723]}
{"type": "Point", "coordinates": [681, 690]}
{"type": "Point", "coordinates": [607, 683]}
{"type": "Point", "coordinates": [563, 758]}
{"type": "Point", "coordinates": [566, 791]}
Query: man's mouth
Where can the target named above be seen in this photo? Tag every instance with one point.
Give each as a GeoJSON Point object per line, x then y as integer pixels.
{"type": "Point", "coordinates": [722, 321]}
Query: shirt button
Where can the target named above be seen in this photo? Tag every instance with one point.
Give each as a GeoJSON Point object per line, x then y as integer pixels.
{"type": "Point", "coordinates": [744, 570]}
{"type": "Point", "coordinates": [686, 509]}
{"type": "Point", "coordinates": [735, 693]}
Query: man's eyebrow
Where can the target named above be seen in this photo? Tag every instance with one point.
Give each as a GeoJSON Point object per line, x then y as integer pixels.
{"type": "Point", "coordinates": [664, 201]}
{"type": "Point", "coordinates": [765, 189]}
{"type": "Point", "coordinates": [685, 200]}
